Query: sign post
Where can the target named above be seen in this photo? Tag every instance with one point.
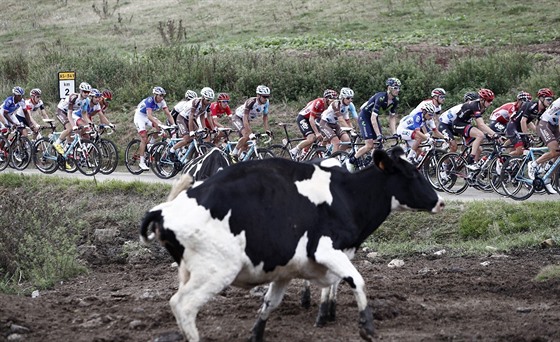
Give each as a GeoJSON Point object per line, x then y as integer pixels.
{"type": "Point", "coordinates": [66, 83]}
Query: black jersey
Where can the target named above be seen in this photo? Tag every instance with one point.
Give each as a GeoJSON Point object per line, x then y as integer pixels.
{"type": "Point", "coordinates": [529, 110]}
{"type": "Point", "coordinates": [469, 110]}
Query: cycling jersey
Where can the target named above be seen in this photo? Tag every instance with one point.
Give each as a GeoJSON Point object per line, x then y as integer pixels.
{"type": "Point", "coordinates": [217, 110]}
{"type": "Point", "coordinates": [351, 111]}
{"type": "Point", "coordinates": [528, 110]}
{"type": "Point", "coordinates": [313, 108]}
{"type": "Point", "coordinates": [468, 111]}
{"type": "Point", "coordinates": [551, 114]}
{"type": "Point", "coordinates": [150, 103]}
{"type": "Point", "coordinates": [75, 100]}
{"type": "Point", "coordinates": [419, 107]}
{"type": "Point", "coordinates": [31, 107]}
{"type": "Point", "coordinates": [9, 106]}
{"type": "Point", "coordinates": [254, 107]}
{"type": "Point", "coordinates": [377, 102]}
{"type": "Point", "coordinates": [336, 109]}
{"type": "Point", "coordinates": [195, 107]}
{"type": "Point", "coordinates": [449, 116]}
{"type": "Point", "coordinates": [415, 120]}
{"type": "Point", "coordinates": [503, 113]}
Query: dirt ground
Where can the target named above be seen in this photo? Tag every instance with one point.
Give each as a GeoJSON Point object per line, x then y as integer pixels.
{"type": "Point", "coordinates": [430, 298]}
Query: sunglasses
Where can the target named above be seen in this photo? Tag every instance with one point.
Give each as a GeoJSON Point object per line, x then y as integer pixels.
{"type": "Point", "coordinates": [442, 97]}
{"type": "Point", "coordinates": [549, 99]}
{"type": "Point", "coordinates": [265, 96]}
{"type": "Point", "coordinates": [86, 92]}
{"type": "Point", "coordinates": [396, 88]}
{"type": "Point", "coordinates": [348, 98]}
{"type": "Point", "coordinates": [225, 101]}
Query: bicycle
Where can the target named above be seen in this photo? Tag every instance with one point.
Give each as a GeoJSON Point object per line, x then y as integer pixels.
{"type": "Point", "coordinates": [165, 167]}
{"type": "Point", "coordinates": [42, 149]}
{"type": "Point", "coordinates": [355, 144]}
{"type": "Point", "coordinates": [515, 175]}
{"type": "Point", "coordinates": [253, 152]}
{"type": "Point", "coordinates": [108, 149]}
{"type": "Point", "coordinates": [4, 151]}
{"type": "Point", "coordinates": [20, 148]}
{"type": "Point", "coordinates": [131, 155]}
{"type": "Point", "coordinates": [283, 150]}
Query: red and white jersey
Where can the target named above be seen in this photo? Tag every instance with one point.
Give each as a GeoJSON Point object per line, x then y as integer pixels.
{"type": "Point", "coordinates": [31, 107]}
{"type": "Point", "coordinates": [217, 110]}
{"type": "Point", "coordinates": [502, 113]}
{"type": "Point", "coordinates": [313, 108]}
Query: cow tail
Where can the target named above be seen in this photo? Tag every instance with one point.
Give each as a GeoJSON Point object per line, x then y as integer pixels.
{"type": "Point", "coordinates": [153, 219]}
{"type": "Point", "coordinates": [185, 182]}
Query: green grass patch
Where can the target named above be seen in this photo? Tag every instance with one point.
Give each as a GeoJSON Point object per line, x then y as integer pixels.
{"type": "Point", "coordinates": [548, 273]}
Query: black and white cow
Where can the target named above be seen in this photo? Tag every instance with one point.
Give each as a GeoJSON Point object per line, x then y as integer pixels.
{"type": "Point", "coordinates": [274, 220]}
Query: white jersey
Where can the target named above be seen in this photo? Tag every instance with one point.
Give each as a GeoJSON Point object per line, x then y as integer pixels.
{"type": "Point", "coordinates": [330, 114]}
{"type": "Point", "coordinates": [195, 104]}
{"type": "Point", "coordinates": [419, 107]}
{"type": "Point", "coordinates": [552, 112]}
{"type": "Point", "coordinates": [78, 102]}
{"type": "Point", "coordinates": [255, 108]}
{"type": "Point", "coordinates": [449, 116]}
{"type": "Point", "coordinates": [31, 107]}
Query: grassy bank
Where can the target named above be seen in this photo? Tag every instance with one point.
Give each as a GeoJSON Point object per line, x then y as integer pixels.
{"type": "Point", "coordinates": [49, 222]}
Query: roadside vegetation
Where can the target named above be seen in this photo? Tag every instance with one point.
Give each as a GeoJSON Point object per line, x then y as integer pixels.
{"type": "Point", "coordinates": [50, 223]}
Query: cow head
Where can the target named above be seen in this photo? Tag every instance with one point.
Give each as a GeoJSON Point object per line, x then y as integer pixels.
{"type": "Point", "coordinates": [409, 189]}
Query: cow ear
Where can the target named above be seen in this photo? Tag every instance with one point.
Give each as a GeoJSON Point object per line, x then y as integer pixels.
{"type": "Point", "coordinates": [382, 160]}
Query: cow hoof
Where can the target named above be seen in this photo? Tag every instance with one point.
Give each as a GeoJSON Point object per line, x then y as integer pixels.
{"type": "Point", "coordinates": [367, 335]}
{"type": "Point", "coordinates": [172, 336]}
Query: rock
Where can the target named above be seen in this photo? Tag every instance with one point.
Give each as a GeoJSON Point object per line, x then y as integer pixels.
{"type": "Point", "coordinates": [523, 310]}
{"type": "Point", "coordinates": [548, 243]}
{"type": "Point", "coordinates": [174, 265]}
{"type": "Point", "coordinates": [19, 329]}
{"type": "Point", "coordinates": [93, 323]}
{"type": "Point", "coordinates": [485, 263]}
{"type": "Point", "coordinates": [15, 337]}
{"type": "Point", "coordinates": [440, 252]}
{"type": "Point", "coordinates": [426, 271]}
{"type": "Point", "coordinates": [372, 255]}
{"type": "Point", "coordinates": [35, 294]}
{"type": "Point", "coordinates": [106, 235]}
{"type": "Point", "coordinates": [135, 324]}
{"type": "Point", "coordinates": [258, 291]}
{"type": "Point", "coordinates": [396, 263]}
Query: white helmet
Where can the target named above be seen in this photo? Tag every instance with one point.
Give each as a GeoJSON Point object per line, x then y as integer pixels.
{"type": "Point", "coordinates": [18, 91]}
{"type": "Point", "coordinates": [263, 90]}
{"type": "Point", "coordinates": [158, 91]}
{"type": "Point", "coordinates": [35, 92]}
{"type": "Point", "coordinates": [189, 95]}
{"type": "Point", "coordinates": [438, 92]}
{"type": "Point", "coordinates": [84, 86]}
{"type": "Point", "coordinates": [207, 93]}
{"type": "Point", "coordinates": [429, 107]}
{"type": "Point", "coordinates": [345, 93]}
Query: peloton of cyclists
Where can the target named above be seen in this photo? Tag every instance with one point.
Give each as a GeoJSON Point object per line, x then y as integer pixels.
{"type": "Point", "coordinates": [500, 116]}
{"type": "Point", "coordinates": [447, 118]}
{"type": "Point", "coordinates": [11, 105]}
{"type": "Point", "coordinates": [333, 119]}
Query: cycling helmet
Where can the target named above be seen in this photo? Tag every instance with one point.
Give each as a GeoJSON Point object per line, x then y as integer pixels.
{"type": "Point", "coordinates": [84, 86]}
{"type": "Point", "coordinates": [486, 94]}
{"type": "Point", "coordinates": [207, 93]}
{"type": "Point", "coordinates": [107, 94]}
{"type": "Point", "coordinates": [95, 93]}
{"type": "Point", "coordinates": [190, 94]}
{"type": "Point", "coordinates": [545, 92]}
{"type": "Point", "coordinates": [345, 93]}
{"type": "Point", "coordinates": [330, 94]}
{"type": "Point", "coordinates": [223, 97]}
{"type": "Point", "coordinates": [18, 91]}
{"type": "Point", "coordinates": [158, 91]}
{"type": "Point", "coordinates": [263, 90]}
{"type": "Point", "coordinates": [524, 96]}
{"type": "Point", "coordinates": [429, 107]}
{"type": "Point", "coordinates": [393, 82]}
{"type": "Point", "coordinates": [438, 92]}
{"type": "Point", "coordinates": [35, 92]}
{"type": "Point", "coordinates": [470, 96]}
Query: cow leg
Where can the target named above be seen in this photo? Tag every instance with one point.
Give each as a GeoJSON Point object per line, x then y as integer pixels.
{"type": "Point", "coordinates": [196, 289]}
{"type": "Point", "coordinates": [327, 308]}
{"type": "Point", "coordinates": [338, 263]}
{"type": "Point", "coordinates": [306, 295]}
{"type": "Point", "coordinates": [272, 299]}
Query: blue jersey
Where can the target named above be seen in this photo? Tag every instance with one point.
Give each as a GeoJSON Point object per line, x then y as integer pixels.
{"type": "Point", "coordinates": [9, 106]}
{"type": "Point", "coordinates": [416, 120]}
{"type": "Point", "coordinates": [379, 102]}
{"type": "Point", "coordinates": [151, 103]}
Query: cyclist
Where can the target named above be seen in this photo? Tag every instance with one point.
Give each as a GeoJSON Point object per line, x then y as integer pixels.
{"type": "Point", "coordinates": [181, 105]}
{"type": "Point", "coordinates": [306, 120]}
{"type": "Point", "coordinates": [192, 117]}
{"type": "Point", "coordinates": [437, 98]}
{"type": "Point", "coordinates": [446, 119]}
{"type": "Point", "coordinates": [522, 120]}
{"type": "Point", "coordinates": [218, 109]}
{"type": "Point", "coordinates": [95, 107]}
{"type": "Point", "coordinates": [106, 98]}
{"type": "Point", "coordinates": [244, 114]}
{"type": "Point", "coordinates": [410, 129]}
{"type": "Point", "coordinates": [549, 131]}
{"type": "Point", "coordinates": [144, 118]}
{"type": "Point", "coordinates": [333, 118]}
{"type": "Point", "coordinates": [474, 135]}
{"type": "Point", "coordinates": [65, 110]}
{"type": "Point", "coordinates": [500, 116]}
{"type": "Point", "coordinates": [368, 119]}
{"type": "Point", "coordinates": [10, 107]}
{"type": "Point", "coordinates": [33, 104]}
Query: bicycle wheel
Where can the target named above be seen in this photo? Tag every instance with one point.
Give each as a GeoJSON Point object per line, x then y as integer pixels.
{"type": "Point", "coordinates": [20, 153]}
{"type": "Point", "coordinates": [341, 156]}
{"type": "Point", "coordinates": [319, 152]}
{"type": "Point", "coordinates": [44, 156]}
{"type": "Point", "coordinates": [4, 153]}
{"type": "Point", "coordinates": [280, 151]}
{"type": "Point", "coordinates": [162, 166]}
{"type": "Point", "coordinates": [109, 156]}
{"type": "Point", "coordinates": [494, 172]}
{"type": "Point", "coordinates": [87, 157]}
{"type": "Point", "coordinates": [482, 177]}
{"type": "Point", "coordinates": [452, 173]}
{"type": "Point", "coordinates": [263, 153]}
{"type": "Point", "coordinates": [429, 169]}
{"type": "Point", "coordinates": [132, 157]}
{"type": "Point", "coordinates": [515, 179]}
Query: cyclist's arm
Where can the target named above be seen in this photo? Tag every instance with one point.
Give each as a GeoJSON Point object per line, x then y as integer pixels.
{"type": "Point", "coordinates": [483, 127]}
{"type": "Point", "coordinates": [393, 122]}
{"type": "Point", "coordinates": [103, 118]}
{"type": "Point", "coordinates": [246, 121]}
{"type": "Point", "coordinates": [524, 125]}
{"type": "Point", "coordinates": [265, 123]}
{"type": "Point", "coordinates": [168, 115]}
{"type": "Point", "coordinates": [314, 127]}
{"type": "Point", "coordinates": [152, 118]}
{"type": "Point", "coordinates": [374, 124]}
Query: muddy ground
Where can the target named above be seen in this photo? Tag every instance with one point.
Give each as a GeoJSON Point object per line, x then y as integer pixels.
{"type": "Point", "coordinates": [444, 298]}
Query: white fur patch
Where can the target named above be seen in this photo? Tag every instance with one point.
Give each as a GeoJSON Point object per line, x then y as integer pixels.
{"type": "Point", "coordinates": [330, 162]}
{"type": "Point", "coordinates": [317, 189]}
{"type": "Point", "coordinates": [396, 205]}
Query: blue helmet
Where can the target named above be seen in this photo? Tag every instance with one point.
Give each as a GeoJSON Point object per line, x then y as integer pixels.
{"type": "Point", "coordinates": [95, 93]}
{"type": "Point", "coordinates": [18, 91]}
{"type": "Point", "coordinates": [158, 91]}
{"type": "Point", "coordinates": [393, 82]}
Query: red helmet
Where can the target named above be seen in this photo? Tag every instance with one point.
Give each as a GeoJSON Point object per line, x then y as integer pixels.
{"type": "Point", "coordinates": [524, 96]}
{"type": "Point", "coordinates": [223, 97]}
{"type": "Point", "coordinates": [545, 92]}
{"type": "Point", "coordinates": [107, 94]}
{"type": "Point", "coordinates": [486, 94]}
